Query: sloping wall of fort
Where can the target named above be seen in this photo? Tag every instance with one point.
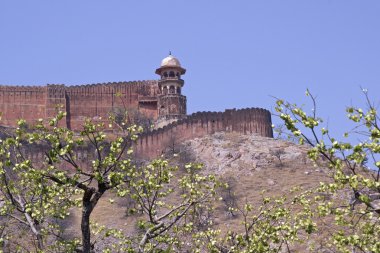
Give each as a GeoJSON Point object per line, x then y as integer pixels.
{"type": "Point", "coordinates": [245, 121]}
{"type": "Point", "coordinates": [160, 101]}
{"type": "Point", "coordinates": [152, 144]}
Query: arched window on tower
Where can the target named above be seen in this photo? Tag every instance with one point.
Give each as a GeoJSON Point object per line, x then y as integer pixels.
{"type": "Point", "coordinates": [171, 74]}
{"type": "Point", "coordinates": [179, 90]}
{"type": "Point", "coordinates": [165, 74]}
{"type": "Point", "coordinates": [172, 90]}
{"type": "Point", "coordinates": [178, 74]}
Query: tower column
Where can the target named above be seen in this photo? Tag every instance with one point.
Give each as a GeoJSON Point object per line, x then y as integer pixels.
{"type": "Point", "coordinates": [171, 103]}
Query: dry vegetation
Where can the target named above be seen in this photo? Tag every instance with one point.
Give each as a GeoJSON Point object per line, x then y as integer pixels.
{"type": "Point", "coordinates": [246, 163]}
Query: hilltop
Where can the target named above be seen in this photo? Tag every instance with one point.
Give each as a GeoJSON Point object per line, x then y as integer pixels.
{"type": "Point", "coordinates": [250, 164]}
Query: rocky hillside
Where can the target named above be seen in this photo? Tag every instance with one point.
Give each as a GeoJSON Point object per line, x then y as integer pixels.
{"type": "Point", "coordinates": [249, 164]}
{"type": "Point", "coordinates": [268, 163]}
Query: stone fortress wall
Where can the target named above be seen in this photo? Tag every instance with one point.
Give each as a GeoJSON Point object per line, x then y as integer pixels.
{"type": "Point", "coordinates": [154, 143]}
{"type": "Point", "coordinates": [80, 102]}
{"type": "Point", "coordinates": [27, 102]}
{"type": "Point", "coordinates": [244, 121]}
{"type": "Point", "coordinates": [160, 100]}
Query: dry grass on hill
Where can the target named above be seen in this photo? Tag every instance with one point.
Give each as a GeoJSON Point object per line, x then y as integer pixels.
{"type": "Point", "coordinates": [249, 164]}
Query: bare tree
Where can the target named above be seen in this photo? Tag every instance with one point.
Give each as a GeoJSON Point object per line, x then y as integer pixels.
{"type": "Point", "coordinates": [278, 153]}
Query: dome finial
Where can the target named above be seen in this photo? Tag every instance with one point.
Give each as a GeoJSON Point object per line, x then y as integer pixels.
{"type": "Point", "coordinates": [170, 62]}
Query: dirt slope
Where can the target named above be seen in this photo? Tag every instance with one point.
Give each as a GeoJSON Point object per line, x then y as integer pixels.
{"type": "Point", "coordinates": [249, 163]}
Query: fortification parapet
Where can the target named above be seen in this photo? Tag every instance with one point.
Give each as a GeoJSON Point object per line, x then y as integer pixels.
{"type": "Point", "coordinates": [26, 102]}
{"type": "Point", "coordinates": [245, 121]}
{"type": "Point", "coordinates": [94, 101]}
{"type": "Point", "coordinates": [160, 101]}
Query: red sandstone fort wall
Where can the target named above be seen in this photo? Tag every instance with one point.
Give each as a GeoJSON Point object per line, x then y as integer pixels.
{"type": "Point", "coordinates": [98, 100]}
{"type": "Point", "coordinates": [153, 144]}
{"type": "Point", "coordinates": [22, 102]}
{"type": "Point", "coordinates": [245, 121]}
{"type": "Point", "coordinates": [80, 102]}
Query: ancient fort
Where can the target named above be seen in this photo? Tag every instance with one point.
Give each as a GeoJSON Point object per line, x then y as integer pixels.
{"type": "Point", "coordinates": [160, 100]}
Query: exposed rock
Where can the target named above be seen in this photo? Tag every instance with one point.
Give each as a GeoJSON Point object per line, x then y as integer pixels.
{"type": "Point", "coordinates": [375, 204]}
{"type": "Point", "coordinates": [242, 153]}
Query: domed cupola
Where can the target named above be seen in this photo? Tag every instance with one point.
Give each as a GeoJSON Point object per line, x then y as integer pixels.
{"type": "Point", "coordinates": [170, 68]}
{"type": "Point", "coordinates": [171, 103]}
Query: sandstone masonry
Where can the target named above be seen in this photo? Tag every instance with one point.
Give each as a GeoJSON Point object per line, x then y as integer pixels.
{"type": "Point", "coordinates": [160, 100]}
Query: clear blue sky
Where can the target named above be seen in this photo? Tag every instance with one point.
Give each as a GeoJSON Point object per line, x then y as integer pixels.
{"type": "Point", "coordinates": [237, 53]}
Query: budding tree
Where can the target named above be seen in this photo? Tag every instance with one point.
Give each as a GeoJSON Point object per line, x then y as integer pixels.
{"type": "Point", "coordinates": [37, 191]}
{"type": "Point", "coordinates": [355, 189]}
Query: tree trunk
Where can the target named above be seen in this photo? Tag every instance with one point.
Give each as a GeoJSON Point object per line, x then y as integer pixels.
{"type": "Point", "coordinates": [40, 242]}
{"type": "Point", "coordinates": [89, 201]}
{"type": "Point", "coordinates": [85, 227]}
{"type": "Point", "coordinates": [85, 224]}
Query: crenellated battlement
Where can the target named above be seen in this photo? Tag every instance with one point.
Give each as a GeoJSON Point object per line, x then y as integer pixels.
{"type": "Point", "coordinates": [113, 84]}
{"type": "Point", "coordinates": [154, 143]}
{"type": "Point", "coordinates": [22, 88]}
{"type": "Point", "coordinates": [246, 121]}
{"type": "Point", "coordinates": [79, 101]}
{"type": "Point", "coordinates": [160, 101]}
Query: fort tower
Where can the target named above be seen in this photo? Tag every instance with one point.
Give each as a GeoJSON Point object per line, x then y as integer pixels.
{"type": "Point", "coordinates": [171, 103]}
